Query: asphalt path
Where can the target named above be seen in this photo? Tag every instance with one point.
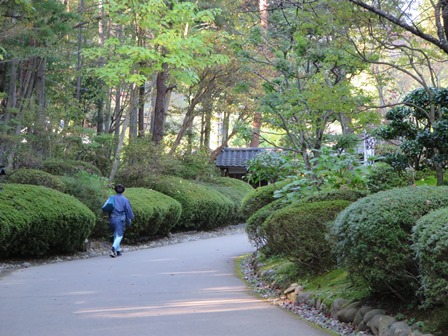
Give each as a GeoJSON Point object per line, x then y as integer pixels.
{"type": "Point", "coordinates": [188, 289]}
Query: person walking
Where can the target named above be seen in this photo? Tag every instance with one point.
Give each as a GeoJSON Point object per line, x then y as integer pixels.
{"type": "Point", "coordinates": [120, 217]}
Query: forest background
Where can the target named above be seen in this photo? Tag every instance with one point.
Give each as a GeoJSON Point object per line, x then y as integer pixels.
{"type": "Point", "coordinates": [88, 80]}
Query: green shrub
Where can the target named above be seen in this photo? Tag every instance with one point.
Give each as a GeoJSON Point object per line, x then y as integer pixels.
{"type": "Point", "coordinates": [69, 167]}
{"type": "Point", "coordinates": [254, 225]}
{"type": "Point", "coordinates": [92, 191]}
{"type": "Point", "coordinates": [254, 228]}
{"type": "Point", "coordinates": [196, 166]}
{"type": "Point", "coordinates": [143, 163]}
{"type": "Point", "coordinates": [333, 195]}
{"type": "Point", "coordinates": [260, 197]}
{"type": "Point", "coordinates": [155, 213]}
{"type": "Point", "coordinates": [235, 190]}
{"type": "Point", "coordinates": [430, 236]}
{"type": "Point", "coordinates": [202, 207]}
{"type": "Point", "coordinates": [374, 237]}
{"type": "Point", "coordinates": [37, 221]}
{"type": "Point", "coordinates": [383, 177]}
{"type": "Point", "coordinates": [301, 232]}
{"type": "Point", "coordinates": [36, 177]}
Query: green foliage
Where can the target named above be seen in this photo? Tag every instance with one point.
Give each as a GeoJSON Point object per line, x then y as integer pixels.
{"type": "Point", "coordinates": [143, 162]}
{"type": "Point", "coordinates": [36, 177]}
{"type": "Point", "coordinates": [260, 197]}
{"type": "Point", "coordinates": [270, 167]}
{"type": "Point", "coordinates": [383, 177]}
{"type": "Point", "coordinates": [333, 195]}
{"type": "Point", "coordinates": [430, 237]}
{"type": "Point", "coordinates": [196, 166]}
{"type": "Point", "coordinates": [202, 207]}
{"type": "Point", "coordinates": [233, 189]}
{"type": "Point", "coordinates": [374, 237]}
{"type": "Point", "coordinates": [330, 170]}
{"type": "Point", "coordinates": [37, 221]}
{"type": "Point", "coordinates": [255, 228]}
{"type": "Point", "coordinates": [68, 167]}
{"type": "Point", "coordinates": [91, 190]}
{"type": "Point", "coordinates": [421, 127]}
{"type": "Point", "coordinates": [155, 214]}
{"type": "Point", "coordinates": [254, 225]}
{"type": "Point", "coordinates": [301, 233]}
{"type": "Point", "coordinates": [180, 37]}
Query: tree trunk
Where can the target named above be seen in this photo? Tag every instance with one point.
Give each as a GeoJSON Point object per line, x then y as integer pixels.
{"type": "Point", "coordinates": [79, 55]}
{"type": "Point", "coordinates": [40, 130]}
{"type": "Point", "coordinates": [207, 128]}
{"type": "Point", "coordinates": [159, 109]}
{"type": "Point", "coordinates": [133, 106]}
{"type": "Point", "coordinates": [141, 111]}
{"type": "Point", "coordinates": [100, 126]}
{"type": "Point", "coordinates": [114, 169]}
{"type": "Point", "coordinates": [256, 126]}
{"type": "Point", "coordinates": [186, 124]}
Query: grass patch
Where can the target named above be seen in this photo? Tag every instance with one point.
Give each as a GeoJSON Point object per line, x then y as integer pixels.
{"type": "Point", "coordinates": [327, 287]}
{"type": "Point", "coordinates": [336, 284]}
{"type": "Point", "coordinates": [427, 180]}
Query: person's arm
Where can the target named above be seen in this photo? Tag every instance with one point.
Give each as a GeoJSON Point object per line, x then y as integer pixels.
{"type": "Point", "coordinates": [129, 213]}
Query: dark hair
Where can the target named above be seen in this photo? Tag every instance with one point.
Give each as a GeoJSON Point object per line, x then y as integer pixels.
{"type": "Point", "coordinates": [119, 189]}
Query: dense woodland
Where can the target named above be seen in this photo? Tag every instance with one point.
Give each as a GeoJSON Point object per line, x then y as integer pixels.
{"type": "Point", "coordinates": [86, 80]}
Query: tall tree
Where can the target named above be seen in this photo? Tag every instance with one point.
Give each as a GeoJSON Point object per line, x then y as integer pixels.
{"type": "Point", "coordinates": [307, 87]}
{"type": "Point", "coordinates": [167, 39]}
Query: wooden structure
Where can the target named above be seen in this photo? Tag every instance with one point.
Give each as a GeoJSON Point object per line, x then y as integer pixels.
{"type": "Point", "coordinates": [233, 161]}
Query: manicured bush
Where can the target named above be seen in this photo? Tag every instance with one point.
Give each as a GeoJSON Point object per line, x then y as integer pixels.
{"type": "Point", "coordinates": [260, 197]}
{"type": "Point", "coordinates": [235, 190]}
{"type": "Point", "coordinates": [37, 221]}
{"type": "Point", "coordinates": [301, 232]}
{"type": "Point", "coordinates": [202, 207]}
{"type": "Point", "coordinates": [333, 195]}
{"type": "Point", "coordinates": [36, 177]}
{"type": "Point", "coordinates": [92, 191]}
{"type": "Point", "coordinates": [374, 237]}
{"type": "Point", "coordinates": [254, 225]}
{"type": "Point", "coordinates": [383, 177]}
{"type": "Point", "coordinates": [430, 236]}
{"type": "Point", "coordinates": [69, 167]}
{"type": "Point", "coordinates": [155, 213]}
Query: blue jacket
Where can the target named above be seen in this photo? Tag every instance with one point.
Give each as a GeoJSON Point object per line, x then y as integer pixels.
{"type": "Point", "coordinates": [121, 215]}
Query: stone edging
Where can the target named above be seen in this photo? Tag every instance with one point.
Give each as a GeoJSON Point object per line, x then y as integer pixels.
{"type": "Point", "coordinates": [362, 319]}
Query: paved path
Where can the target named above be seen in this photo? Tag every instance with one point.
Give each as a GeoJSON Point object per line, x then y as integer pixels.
{"type": "Point", "coordinates": [189, 289]}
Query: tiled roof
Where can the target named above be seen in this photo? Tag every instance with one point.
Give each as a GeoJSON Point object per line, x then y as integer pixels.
{"type": "Point", "coordinates": [237, 157]}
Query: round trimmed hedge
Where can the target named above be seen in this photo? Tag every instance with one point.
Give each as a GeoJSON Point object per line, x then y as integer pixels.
{"type": "Point", "coordinates": [382, 177]}
{"type": "Point", "coordinates": [301, 232]}
{"type": "Point", "coordinates": [254, 227]}
{"type": "Point", "coordinates": [375, 236]}
{"type": "Point", "coordinates": [91, 190]}
{"type": "Point", "coordinates": [36, 177]}
{"type": "Point", "coordinates": [155, 213]}
{"type": "Point", "coordinates": [202, 207]}
{"type": "Point", "coordinates": [351, 195]}
{"type": "Point", "coordinates": [233, 189]}
{"type": "Point", "coordinates": [430, 236]}
{"type": "Point", "coordinates": [37, 221]}
{"type": "Point", "coordinates": [69, 167]}
{"type": "Point", "coordinates": [260, 197]}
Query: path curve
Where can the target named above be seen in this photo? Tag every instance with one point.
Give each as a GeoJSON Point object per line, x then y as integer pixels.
{"type": "Point", "coordinates": [188, 289]}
